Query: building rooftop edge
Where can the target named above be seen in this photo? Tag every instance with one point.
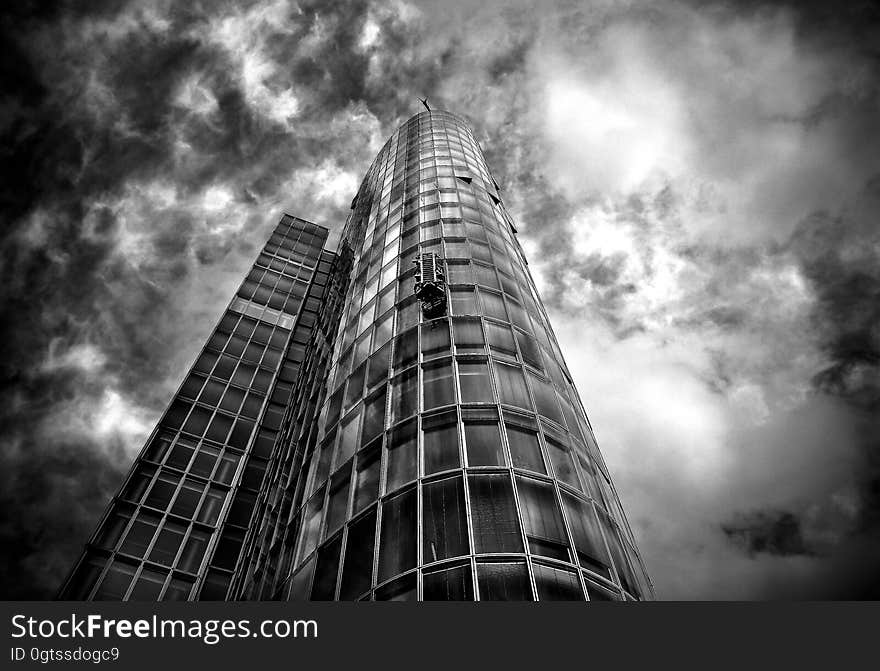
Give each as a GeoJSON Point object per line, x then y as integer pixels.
{"type": "Point", "coordinates": [434, 111]}
{"type": "Point", "coordinates": [308, 221]}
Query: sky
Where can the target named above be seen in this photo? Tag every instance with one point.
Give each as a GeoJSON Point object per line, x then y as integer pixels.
{"type": "Point", "coordinates": [696, 186]}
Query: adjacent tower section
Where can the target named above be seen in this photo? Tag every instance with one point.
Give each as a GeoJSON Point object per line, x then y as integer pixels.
{"type": "Point", "coordinates": [175, 529]}
{"type": "Point", "coordinates": [391, 422]}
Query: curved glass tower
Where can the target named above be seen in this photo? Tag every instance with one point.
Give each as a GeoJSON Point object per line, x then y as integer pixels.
{"type": "Point", "coordinates": [430, 444]}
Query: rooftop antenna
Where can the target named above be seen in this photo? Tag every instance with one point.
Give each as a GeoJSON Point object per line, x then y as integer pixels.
{"type": "Point", "coordinates": [424, 102]}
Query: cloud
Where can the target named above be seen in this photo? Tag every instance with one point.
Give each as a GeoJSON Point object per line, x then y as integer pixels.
{"type": "Point", "coordinates": [777, 533]}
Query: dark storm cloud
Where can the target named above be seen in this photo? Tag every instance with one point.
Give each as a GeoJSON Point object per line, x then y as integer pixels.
{"type": "Point", "coordinates": [841, 256]}
{"type": "Point", "coordinates": [120, 121]}
{"type": "Point", "coordinates": [685, 146]}
{"type": "Point", "coordinates": [777, 533]}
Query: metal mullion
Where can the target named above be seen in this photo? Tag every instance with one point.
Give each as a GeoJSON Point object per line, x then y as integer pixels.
{"type": "Point", "coordinates": [572, 549]}
{"type": "Point", "coordinates": [419, 533]}
{"type": "Point", "coordinates": [134, 579]}
{"type": "Point", "coordinates": [352, 485]}
{"type": "Point", "coordinates": [615, 577]}
{"type": "Point", "coordinates": [376, 539]}
{"type": "Point", "coordinates": [167, 584]}
{"type": "Point", "coordinates": [470, 531]}
{"type": "Point", "coordinates": [530, 569]}
{"type": "Point", "coordinates": [522, 526]}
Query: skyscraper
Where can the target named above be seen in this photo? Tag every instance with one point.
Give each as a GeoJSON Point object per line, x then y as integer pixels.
{"type": "Point", "coordinates": [393, 421]}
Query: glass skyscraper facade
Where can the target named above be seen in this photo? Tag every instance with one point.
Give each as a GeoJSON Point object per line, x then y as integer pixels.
{"type": "Point", "coordinates": [392, 421]}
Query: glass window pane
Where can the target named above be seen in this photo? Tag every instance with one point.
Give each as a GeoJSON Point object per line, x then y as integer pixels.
{"type": "Point", "coordinates": [367, 479]}
{"type": "Point", "coordinates": [542, 519]}
{"type": "Point", "coordinates": [355, 388]}
{"type": "Point", "coordinates": [212, 392]}
{"type": "Point", "coordinates": [378, 366]}
{"type": "Point", "coordinates": [167, 543]}
{"type": "Point", "coordinates": [554, 584]}
{"type": "Point", "coordinates": [215, 587]}
{"type": "Point", "coordinates": [187, 498]}
{"type": "Point", "coordinates": [504, 582]}
{"type": "Point", "coordinates": [586, 534]}
{"type": "Point", "coordinates": [116, 582]}
{"type": "Point", "coordinates": [512, 385]}
{"type": "Point", "coordinates": [545, 400]}
{"type": "Point", "coordinates": [321, 463]}
{"type": "Point", "coordinates": [397, 550]}
{"type": "Point", "coordinates": [211, 505]}
{"type": "Point", "coordinates": [528, 348]}
{"type": "Point", "coordinates": [496, 526]}
{"type": "Point", "coordinates": [357, 571]}
{"type": "Point", "coordinates": [468, 335]}
{"type": "Point", "coordinates": [112, 529]}
{"type": "Point", "coordinates": [481, 251]}
{"type": "Point", "coordinates": [563, 465]}
{"type": "Point", "coordinates": [244, 373]}
{"type": "Point", "coordinates": [311, 528]}
{"type": "Point", "coordinates": [204, 462]}
{"type": "Point", "coordinates": [624, 572]}
{"type": "Point", "coordinates": [438, 385]}
{"type": "Point", "coordinates": [299, 584]}
{"type": "Point", "coordinates": [483, 442]}
{"type": "Point", "coordinates": [440, 441]}
{"type": "Point", "coordinates": [444, 520]}
{"type": "Point", "coordinates": [242, 508]}
{"type": "Point", "coordinates": [525, 450]}
{"type": "Point", "coordinates": [454, 584]}
{"type": "Point", "coordinates": [383, 330]}
{"type": "Point", "coordinates": [486, 275]}
{"type": "Point", "coordinates": [225, 366]}
{"type": "Point", "coordinates": [326, 570]}
{"type": "Point", "coordinates": [84, 578]}
{"type": "Point", "coordinates": [597, 593]}
{"type": "Point", "coordinates": [138, 483]}
{"type": "Point", "coordinates": [181, 454]}
{"type": "Point", "coordinates": [374, 417]}
{"type": "Point", "coordinates": [589, 476]}
{"type": "Point", "coordinates": [500, 338]}
{"type": "Point", "coordinates": [178, 590]}
{"type": "Point", "coordinates": [493, 305]}
{"type": "Point", "coordinates": [464, 301]}
{"type": "Point", "coordinates": [149, 585]}
{"type": "Point", "coordinates": [193, 551]}
{"type": "Point", "coordinates": [226, 470]}
{"type": "Point", "coordinates": [435, 337]}
{"type": "Point", "coordinates": [518, 315]}
{"type": "Point", "coordinates": [386, 300]}
{"type": "Point", "coordinates": [232, 399]}
{"type": "Point", "coordinates": [140, 534]}
{"type": "Point", "coordinates": [459, 273]}
{"type": "Point", "coordinates": [402, 457]}
{"type": "Point", "coordinates": [348, 438]}
{"type": "Point", "coordinates": [158, 447]}
{"type": "Point", "coordinates": [162, 491]}
{"type": "Point", "coordinates": [404, 395]}
{"type": "Point", "coordinates": [406, 349]}
{"type": "Point", "coordinates": [474, 380]}
{"type": "Point", "coordinates": [337, 507]}
{"type": "Point", "coordinates": [402, 589]}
